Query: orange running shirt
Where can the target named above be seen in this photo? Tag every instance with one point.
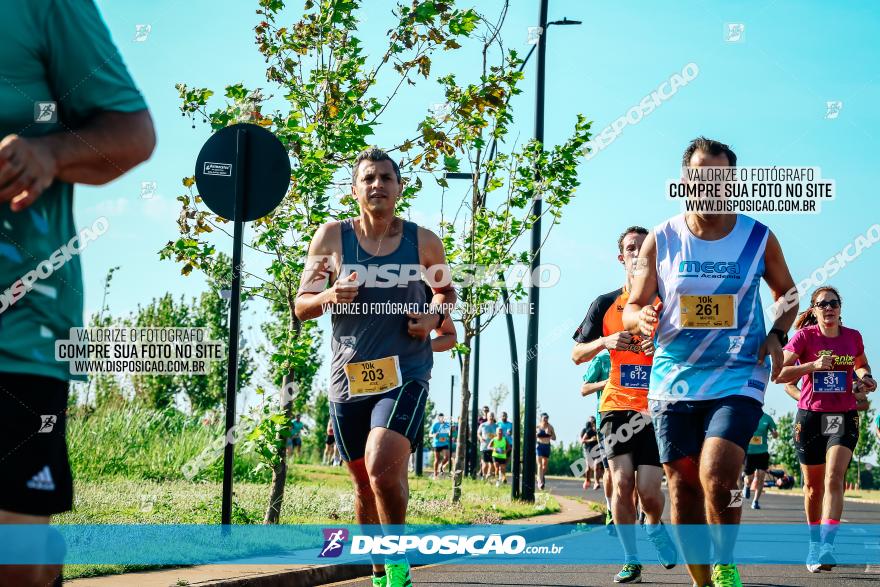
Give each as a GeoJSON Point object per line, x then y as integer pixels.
{"type": "Point", "coordinates": [627, 387]}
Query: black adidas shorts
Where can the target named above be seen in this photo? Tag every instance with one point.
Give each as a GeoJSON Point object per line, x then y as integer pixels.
{"type": "Point", "coordinates": [36, 477]}
{"type": "Point", "coordinates": [401, 409]}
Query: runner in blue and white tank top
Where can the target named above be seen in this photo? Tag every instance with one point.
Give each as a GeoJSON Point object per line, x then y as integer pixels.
{"type": "Point", "coordinates": [710, 362]}
{"type": "Point", "coordinates": [382, 319]}
{"type": "Point", "coordinates": [695, 278]}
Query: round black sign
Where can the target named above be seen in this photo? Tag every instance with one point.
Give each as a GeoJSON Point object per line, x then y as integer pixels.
{"type": "Point", "coordinates": [265, 172]}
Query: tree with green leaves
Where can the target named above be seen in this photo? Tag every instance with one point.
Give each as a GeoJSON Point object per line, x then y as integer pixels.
{"type": "Point", "coordinates": [867, 441]}
{"type": "Point", "coordinates": [331, 107]}
{"type": "Point", "coordinates": [562, 457]}
{"type": "Point", "coordinates": [481, 238]}
{"type": "Point", "coordinates": [161, 391]}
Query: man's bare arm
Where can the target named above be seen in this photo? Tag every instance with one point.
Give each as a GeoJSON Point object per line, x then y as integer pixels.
{"type": "Point", "coordinates": [584, 351]}
{"type": "Point", "coordinates": [432, 255]}
{"type": "Point", "coordinates": [781, 285]}
{"type": "Point", "coordinates": [446, 336]}
{"type": "Point", "coordinates": [313, 295]}
{"type": "Point", "coordinates": [433, 258]}
{"type": "Point", "coordinates": [104, 148]}
{"type": "Point", "coordinates": [779, 280]}
{"type": "Point", "coordinates": [644, 288]}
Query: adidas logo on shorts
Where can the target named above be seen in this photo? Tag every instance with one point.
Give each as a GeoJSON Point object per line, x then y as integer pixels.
{"type": "Point", "coordinates": [42, 480]}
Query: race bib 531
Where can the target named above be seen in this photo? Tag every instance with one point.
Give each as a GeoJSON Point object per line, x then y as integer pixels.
{"type": "Point", "coordinates": [829, 381]}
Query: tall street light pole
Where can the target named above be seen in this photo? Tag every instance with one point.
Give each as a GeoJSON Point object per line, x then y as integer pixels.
{"type": "Point", "coordinates": [511, 333]}
{"type": "Point", "coordinates": [531, 379]}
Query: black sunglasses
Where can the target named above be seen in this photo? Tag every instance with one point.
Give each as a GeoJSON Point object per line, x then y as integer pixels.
{"type": "Point", "coordinates": [833, 304]}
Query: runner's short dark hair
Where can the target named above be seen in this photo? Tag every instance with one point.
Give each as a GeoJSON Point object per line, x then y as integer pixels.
{"type": "Point", "coordinates": [631, 229]}
{"type": "Point", "coordinates": [708, 146]}
{"type": "Point", "coordinates": [374, 154]}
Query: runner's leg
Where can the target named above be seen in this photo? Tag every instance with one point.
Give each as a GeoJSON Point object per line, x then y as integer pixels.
{"type": "Point", "coordinates": [814, 491]}
{"type": "Point", "coordinates": [386, 461]}
{"type": "Point", "coordinates": [760, 474]}
{"type": "Point", "coordinates": [649, 487]}
{"type": "Point", "coordinates": [719, 475]}
{"type": "Point", "coordinates": [607, 486]}
{"type": "Point", "coordinates": [622, 504]}
{"type": "Point", "coordinates": [687, 507]}
{"type": "Point", "coordinates": [365, 511]}
{"type": "Point", "coordinates": [838, 459]}
{"type": "Point", "coordinates": [27, 575]}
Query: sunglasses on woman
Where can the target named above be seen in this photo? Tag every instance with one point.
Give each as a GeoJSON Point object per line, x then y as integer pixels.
{"type": "Point", "coordinates": [833, 304]}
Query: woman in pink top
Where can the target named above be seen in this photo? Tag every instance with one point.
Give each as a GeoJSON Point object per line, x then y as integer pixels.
{"type": "Point", "coordinates": [830, 361]}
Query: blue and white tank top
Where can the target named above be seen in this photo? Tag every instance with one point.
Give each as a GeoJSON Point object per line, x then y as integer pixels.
{"type": "Point", "coordinates": [712, 323]}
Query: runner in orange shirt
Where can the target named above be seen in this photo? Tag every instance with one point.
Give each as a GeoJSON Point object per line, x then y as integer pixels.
{"type": "Point", "coordinates": [626, 433]}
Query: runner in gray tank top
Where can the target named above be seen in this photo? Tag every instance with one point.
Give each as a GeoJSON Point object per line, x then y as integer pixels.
{"type": "Point", "coordinates": [382, 319]}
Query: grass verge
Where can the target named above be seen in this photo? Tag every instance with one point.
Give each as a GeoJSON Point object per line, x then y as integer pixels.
{"type": "Point", "coordinates": [314, 495]}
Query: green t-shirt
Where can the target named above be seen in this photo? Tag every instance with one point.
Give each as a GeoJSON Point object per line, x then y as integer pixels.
{"type": "Point", "coordinates": [499, 447]}
{"type": "Point", "coordinates": [53, 51]}
{"type": "Point", "coordinates": [598, 370]}
{"type": "Point", "coordinates": [758, 443]}
{"type": "Point", "coordinates": [296, 429]}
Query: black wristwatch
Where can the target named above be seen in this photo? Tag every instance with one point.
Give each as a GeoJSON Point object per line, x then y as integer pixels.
{"type": "Point", "coordinates": [442, 318]}
{"type": "Point", "coordinates": [780, 334]}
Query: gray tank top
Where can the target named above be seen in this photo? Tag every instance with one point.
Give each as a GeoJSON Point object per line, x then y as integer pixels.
{"type": "Point", "coordinates": [372, 335]}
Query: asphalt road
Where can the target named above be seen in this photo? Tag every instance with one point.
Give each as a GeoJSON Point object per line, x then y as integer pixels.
{"type": "Point", "coordinates": [786, 508]}
{"type": "Point", "coordinates": [776, 508]}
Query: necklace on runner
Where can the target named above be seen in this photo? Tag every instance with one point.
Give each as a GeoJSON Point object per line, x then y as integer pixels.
{"type": "Point", "coordinates": [378, 248]}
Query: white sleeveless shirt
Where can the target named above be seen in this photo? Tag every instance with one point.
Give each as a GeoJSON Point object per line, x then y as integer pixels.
{"type": "Point", "coordinates": [712, 323]}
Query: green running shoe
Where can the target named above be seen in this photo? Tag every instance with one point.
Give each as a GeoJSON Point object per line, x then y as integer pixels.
{"type": "Point", "coordinates": [398, 574]}
{"type": "Point", "coordinates": [630, 573]}
{"type": "Point", "coordinates": [609, 524]}
{"type": "Point", "coordinates": [725, 576]}
{"type": "Point", "coordinates": [380, 581]}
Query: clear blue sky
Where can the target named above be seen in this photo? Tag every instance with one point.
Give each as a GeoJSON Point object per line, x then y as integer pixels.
{"type": "Point", "coordinates": [766, 96]}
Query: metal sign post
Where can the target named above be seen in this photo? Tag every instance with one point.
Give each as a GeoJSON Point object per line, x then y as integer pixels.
{"type": "Point", "coordinates": [242, 173]}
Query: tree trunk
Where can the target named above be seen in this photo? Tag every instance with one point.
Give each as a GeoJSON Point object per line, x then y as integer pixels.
{"type": "Point", "coordinates": [463, 426]}
{"type": "Point", "coordinates": [279, 471]}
